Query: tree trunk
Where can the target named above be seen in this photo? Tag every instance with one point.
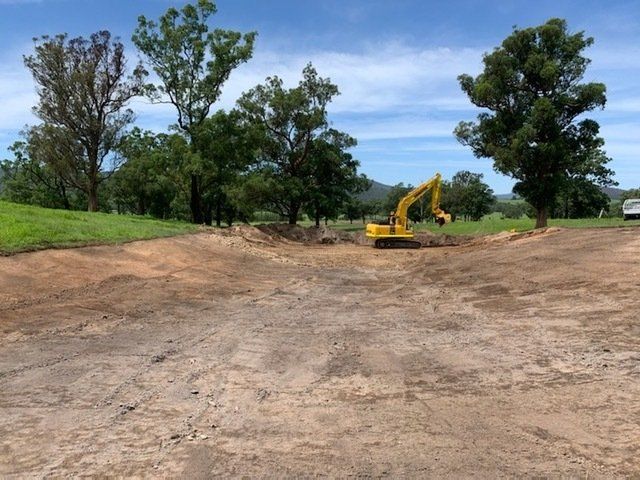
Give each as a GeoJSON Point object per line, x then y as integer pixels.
{"type": "Point", "coordinates": [207, 213]}
{"type": "Point", "coordinates": [195, 202]}
{"type": "Point", "coordinates": [317, 218]}
{"type": "Point", "coordinates": [351, 221]}
{"type": "Point", "coordinates": [218, 212]}
{"type": "Point", "coordinates": [65, 199]}
{"type": "Point", "coordinates": [93, 197]}
{"type": "Point", "coordinates": [141, 206]}
{"type": "Point", "coordinates": [293, 214]}
{"type": "Point", "coordinates": [541, 217]}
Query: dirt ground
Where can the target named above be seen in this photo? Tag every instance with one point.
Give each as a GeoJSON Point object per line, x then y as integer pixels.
{"type": "Point", "coordinates": [244, 353]}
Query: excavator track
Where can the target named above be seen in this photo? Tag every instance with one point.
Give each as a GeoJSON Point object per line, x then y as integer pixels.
{"type": "Point", "coordinates": [396, 243]}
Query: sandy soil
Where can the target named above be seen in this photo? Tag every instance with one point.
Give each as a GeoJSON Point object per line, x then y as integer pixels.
{"type": "Point", "coordinates": [245, 353]}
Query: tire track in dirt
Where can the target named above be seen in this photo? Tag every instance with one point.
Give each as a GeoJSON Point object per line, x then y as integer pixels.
{"type": "Point", "coordinates": [484, 360]}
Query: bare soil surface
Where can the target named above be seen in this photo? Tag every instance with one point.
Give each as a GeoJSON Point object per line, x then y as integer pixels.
{"type": "Point", "coordinates": [255, 353]}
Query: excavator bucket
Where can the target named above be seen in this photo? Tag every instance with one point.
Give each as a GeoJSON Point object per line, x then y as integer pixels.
{"type": "Point", "coordinates": [443, 218]}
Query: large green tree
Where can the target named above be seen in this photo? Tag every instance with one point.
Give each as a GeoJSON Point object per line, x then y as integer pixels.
{"type": "Point", "coordinates": [192, 64]}
{"type": "Point", "coordinates": [467, 195]}
{"type": "Point", "coordinates": [226, 149]}
{"type": "Point", "coordinates": [83, 87]}
{"type": "Point", "coordinates": [534, 128]}
{"type": "Point", "coordinates": [290, 121]}
{"type": "Point", "coordinates": [333, 176]}
{"type": "Point", "coordinates": [416, 211]}
{"type": "Point", "coordinates": [580, 198]}
{"type": "Point", "coordinates": [148, 182]}
{"type": "Point", "coordinates": [29, 179]}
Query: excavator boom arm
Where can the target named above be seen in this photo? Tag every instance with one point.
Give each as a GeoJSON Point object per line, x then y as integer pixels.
{"type": "Point", "coordinates": [435, 185]}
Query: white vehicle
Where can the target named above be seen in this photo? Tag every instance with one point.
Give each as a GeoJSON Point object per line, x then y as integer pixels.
{"type": "Point", "coordinates": [631, 208]}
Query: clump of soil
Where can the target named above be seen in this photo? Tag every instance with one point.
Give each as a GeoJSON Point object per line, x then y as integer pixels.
{"type": "Point", "coordinates": [511, 236]}
{"type": "Point", "coordinates": [296, 233]}
{"type": "Point", "coordinates": [249, 233]}
{"type": "Point", "coordinates": [272, 233]}
{"type": "Point", "coordinates": [430, 239]}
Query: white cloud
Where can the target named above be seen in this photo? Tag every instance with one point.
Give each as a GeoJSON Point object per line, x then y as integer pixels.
{"type": "Point", "coordinates": [17, 96]}
{"type": "Point", "coordinates": [389, 79]}
{"type": "Point", "coordinates": [614, 57]}
{"type": "Point", "coordinates": [388, 91]}
{"type": "Point", "coordinates": [622, 104]}
{"type": "Point", "coordinates": [621, 132]}
{"type": "Point", "coordinates": [396, 126]}
{"type": "Point", "coordinates": [389, 76]}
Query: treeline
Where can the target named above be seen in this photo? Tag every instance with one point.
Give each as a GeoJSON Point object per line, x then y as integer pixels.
{"type": "Point", "coordinates": [467, 197]}
{"type": "Point", "coordinates": [274, 151]}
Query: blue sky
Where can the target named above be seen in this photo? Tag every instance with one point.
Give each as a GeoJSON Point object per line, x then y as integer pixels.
{"type": "Point", "coordinates": [395, 62]}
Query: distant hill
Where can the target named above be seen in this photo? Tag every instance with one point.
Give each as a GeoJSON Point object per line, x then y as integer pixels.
{"type": "Point", "coordinates": [611, 192]}
{"type": "Point", "coordinates": [377, 191]}
{"type": "Point", "coordinates": [507, 196]}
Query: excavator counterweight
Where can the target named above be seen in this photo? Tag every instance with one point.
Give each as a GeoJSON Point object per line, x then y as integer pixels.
{"type": "Point", "coordinates": [396, 232]}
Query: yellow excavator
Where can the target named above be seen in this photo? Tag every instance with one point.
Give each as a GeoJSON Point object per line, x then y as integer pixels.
{"type": "Point", "coordinates": [396, 232]}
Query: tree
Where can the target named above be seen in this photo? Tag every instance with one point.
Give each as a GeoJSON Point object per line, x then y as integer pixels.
{"type": "Point", "coordinates": [514, 209]}
{"type": "Point", "coordinates": [333, 176]}
{"type": "Point", "coordinates": [631, 193]}
{"type": "Point", "coordinates": [353, 208]}
{"type": "Point", "coordinates": [356, 208]}
{"type": "Point", "coordinates": [467, 195]}
{"type": "Point", "coordinates": [192, 65]}
{"type": "Point", "coordinates": [83, 90]}
{"type": "Point", "coordinates": [416, 211]}
{"type": "Point", "coordinates": [27, 179]}
{"type": "Point", "coordinates": [531, 85]}
{"type": "Point", "coordinates": [147, 182]}
{"type": "Point", "coordinates": [226, 149]}
{"type": "Point", "coordinates": [290, 121]}
{"type": "Point", "coordinates": [579, 198]}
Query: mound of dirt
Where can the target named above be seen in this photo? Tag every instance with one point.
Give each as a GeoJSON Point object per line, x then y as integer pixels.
{"type": "Point", "coordinates": [430, 239]}
{"type": "Point", "coordinates": [273, 233]}
{"type": "Point", "coordinates": [512, 236]}
{"type": "Point", "coordinates": [249, 233]}
{"type": "Point", "coordinates": [296, 233]}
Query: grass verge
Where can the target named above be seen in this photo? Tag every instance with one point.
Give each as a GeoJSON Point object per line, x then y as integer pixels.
{"type": "Point", "coordinates": [492, 224]}
{"type": "Point", "coordinates": [26, 227]}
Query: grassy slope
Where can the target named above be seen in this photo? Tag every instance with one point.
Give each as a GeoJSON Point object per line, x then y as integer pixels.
{"type": "Point", "coordinates": [25, 227]}
{"type": "Point", "coordinates": [495, 225]}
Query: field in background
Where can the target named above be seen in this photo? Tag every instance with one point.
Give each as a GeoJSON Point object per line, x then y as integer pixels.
{"type": "Point", "coordinates": [25, 227]}
{"type": "Point", "coordinates": [493, 224]}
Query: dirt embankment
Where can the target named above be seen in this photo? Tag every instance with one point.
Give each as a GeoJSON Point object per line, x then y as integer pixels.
{"type": "Point", "coordinates": [271, 234]}
{"type": "Point", "coordinates": [268, 353]}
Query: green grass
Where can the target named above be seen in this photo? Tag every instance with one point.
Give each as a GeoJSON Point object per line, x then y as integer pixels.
{"type": "Point", "coordinates": [494, 224]}
{"type": "Point", "coordinates": [25, 227]}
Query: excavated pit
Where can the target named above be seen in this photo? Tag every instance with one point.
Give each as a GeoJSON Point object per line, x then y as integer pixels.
{"type": "Point", "coordinates": [264, 352]}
